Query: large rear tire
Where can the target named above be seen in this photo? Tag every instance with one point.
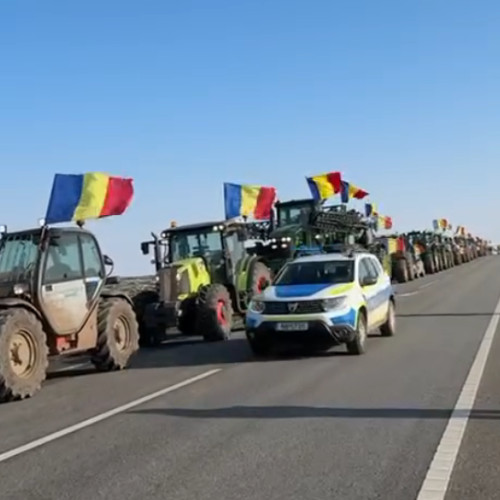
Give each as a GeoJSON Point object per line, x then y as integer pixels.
{"type": "Point", "coordinates": [215, 313]}
{"type": "Point", "coordinates": [117, 335]}
{"type": "Point", "coordinates": [401, 271]}
{"type": "Point", "coordinates": [23, 354]}
{"type": "Point", "coordinates": [141, 301]}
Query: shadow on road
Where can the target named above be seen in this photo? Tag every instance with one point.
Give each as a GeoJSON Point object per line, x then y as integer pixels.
{"type": "Point", "coordinates": [278, 412]}
{"type": "Point", "coordinates": [437, 315]}
{"type": "Point", "coordinates": [200, 353]}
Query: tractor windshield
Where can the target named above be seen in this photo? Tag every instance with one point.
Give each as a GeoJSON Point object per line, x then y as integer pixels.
{"type": "Point", "coordinates": [18, 255]}
{"type": "Point", "coordinates": [201, 244]}
{"type": "Point", "coordinates": [316, 272]}
{"type": "Point", "coordinates": [292, 214]}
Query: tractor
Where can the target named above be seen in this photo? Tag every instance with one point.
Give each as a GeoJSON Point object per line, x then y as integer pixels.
{"type": "Point", "coordinates": [428, 249]}
{"type": "Point", "coordinates": [206, 278]}
{"type": "Point", "coordinates": [406, 262]}
{"type": "Point", "coordinates": [306, 227]}
{"type": "Point", "coordinates": [53, 301]}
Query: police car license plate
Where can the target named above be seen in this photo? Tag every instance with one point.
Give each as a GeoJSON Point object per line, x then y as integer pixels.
{"type": "Point", "coordinates": [292, 327]}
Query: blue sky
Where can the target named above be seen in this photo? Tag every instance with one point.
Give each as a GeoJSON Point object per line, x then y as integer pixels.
{"type": "Point", "coordinates": [401, 96]}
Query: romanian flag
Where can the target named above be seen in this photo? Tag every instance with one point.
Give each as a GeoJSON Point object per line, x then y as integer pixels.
{"type": "Point", "coordinates": [349, 191]}
{"type": "Point", "coordinates": [443, 223]}
{"type": "Point", "coordinates": [435, 224]}
{"type": "Point", "coordinates": [324, 186]}
{"type": "Point", "coordinates": [247, 199]}
{"type": "Point", "coordinates": [385, 221]}
{"type": "Point", "coordinates": [76, 197]}
{"type": "Point", "coordinates": [370, 209]}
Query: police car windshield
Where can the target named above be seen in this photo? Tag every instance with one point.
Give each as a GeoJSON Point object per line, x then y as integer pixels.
{"type": "Point", "coordinates": [316, 272]}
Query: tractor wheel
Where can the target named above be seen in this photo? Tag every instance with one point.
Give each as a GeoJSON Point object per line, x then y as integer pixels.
{"type": "Point", "coordinates": [429, 264]}
{"type": "Point", "coordinates": [141, 302]}
{"type": "Point", "coordinates": [215, 313]}
{"type": "Point", "coordinates": [23, 354]}
{"type": "Point", "coordinates": [410, 269]}
{"type": "Point", "coordinates": [187, 319]}
{"type": "Point", "coordinates": [260, 274]}
{"type": "Point", "coordinates": [401, 271]}
{"type": "Point", "coordinates": [117, 335]}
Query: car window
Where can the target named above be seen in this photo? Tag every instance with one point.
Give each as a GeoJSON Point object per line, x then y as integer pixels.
{"type": "Point", "coordinates": [91, 257]}
{"type": "Point", "coordinates": [63, 259]}
{"type": "Point", "coordinates": [372, 266]}
{"type": "Point", "coordinates": [316, 272]}
{"type": "Point", "coordinates": [363, 270]}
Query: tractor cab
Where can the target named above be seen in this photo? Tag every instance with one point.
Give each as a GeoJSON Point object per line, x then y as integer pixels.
{"type": "Point", "coordinates": [53, 301]}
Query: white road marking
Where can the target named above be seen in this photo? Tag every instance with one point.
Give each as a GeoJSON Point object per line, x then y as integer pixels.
{"type": "Point", "coordinates": [425, 285]}
{"type": "Point", "coordinates": [435, 485]}
{"type": "Point", "coordinates": [103, 416]}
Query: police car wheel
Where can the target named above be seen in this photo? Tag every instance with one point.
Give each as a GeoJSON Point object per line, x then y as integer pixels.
{"type": "Point", "coordinates": [357, 345]}
{"type": "Point", "coordinates": [388, 329]}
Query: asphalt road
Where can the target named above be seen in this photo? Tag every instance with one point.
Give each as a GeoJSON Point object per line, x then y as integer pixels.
{"type": "Point", "coordinates": [315, 427]}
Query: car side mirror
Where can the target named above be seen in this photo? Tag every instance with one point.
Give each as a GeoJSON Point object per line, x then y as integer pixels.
{"type": "Point", "coordinates": [368, 281]}
{"type": "Point", "coordinates": [145, 248]}
{"type": "Point", "coordinates": [108, 261]}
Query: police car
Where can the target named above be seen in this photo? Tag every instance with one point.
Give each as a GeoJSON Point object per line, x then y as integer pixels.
{"type": "Point", "coordinates": [321, 301]}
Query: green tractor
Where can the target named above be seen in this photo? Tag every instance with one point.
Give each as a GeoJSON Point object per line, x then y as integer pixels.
{"type": "Point", "coordinates": [206, 278]}
{"type": "Point", "coordinates": [307, 227]}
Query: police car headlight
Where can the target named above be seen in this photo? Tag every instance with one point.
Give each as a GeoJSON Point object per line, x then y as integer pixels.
{"type": "Point", "coordinates": [334, 303]}
{"type": "Point", "coordinates": [257, 306]}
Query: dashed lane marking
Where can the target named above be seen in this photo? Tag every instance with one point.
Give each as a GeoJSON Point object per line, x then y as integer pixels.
{"type": "Point", "coordinates": [435, 485]}
{"type": "Point", "coordinates": [103, 416]}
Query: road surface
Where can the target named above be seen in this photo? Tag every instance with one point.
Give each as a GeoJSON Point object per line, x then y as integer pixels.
{"type": "Point", "coordinates": [331, 426]}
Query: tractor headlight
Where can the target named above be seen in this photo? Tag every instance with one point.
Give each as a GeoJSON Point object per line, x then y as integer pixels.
{"type": "Point", "coordinates": [257, 306]}
{"type": "Point", "coordinates": [334, 303]}
{"type": "Point", "coordinates": [20, 289]}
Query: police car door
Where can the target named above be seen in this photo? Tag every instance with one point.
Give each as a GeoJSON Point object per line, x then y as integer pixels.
{"type": "Point", "coordinates": [369, 291]}
{"type": "Point", "coordinates": [382, 291]}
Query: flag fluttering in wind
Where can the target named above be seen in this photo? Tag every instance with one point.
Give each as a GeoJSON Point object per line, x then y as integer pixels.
{"type": "Point", "coordinates": [248, 200]}
{"type": "Point", "coordinates": [77, 197]}
{"type": "Point", "coordinates": [324, 186]}
{"type": "Point", "coordinates": [371, 209]}
{"type": "Point", "coordinates": [349, 191]}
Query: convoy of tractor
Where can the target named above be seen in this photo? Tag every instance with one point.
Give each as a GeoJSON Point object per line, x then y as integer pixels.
{"type": "Point", "coordinates": [57, 296]}
{"type": "Point", "coordinates": [207, 273]}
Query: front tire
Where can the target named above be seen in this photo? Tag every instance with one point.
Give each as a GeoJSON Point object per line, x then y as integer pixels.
{"type": "Point", "coordinates": [357, 345]}
{"type": "Point", "coordinates": [23, 355]}
{"type": "Point", "coordinates": [117, 335]}
{"type": "Point", "coordinates": [388, 329]}
{"type": "Point", "coordinates": [215, 313]}
{"type": "Point", "coordinates": [187, 320]}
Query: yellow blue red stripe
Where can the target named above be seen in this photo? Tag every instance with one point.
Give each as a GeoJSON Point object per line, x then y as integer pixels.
{"type": "Point", "coordinates": [324, 186]}
{"type": "Point", "coordinates": [248, 200]}
{"type": "Point", "coordinates": [351, 191]}
{"type": "Point", "coordinates": [76, 197]}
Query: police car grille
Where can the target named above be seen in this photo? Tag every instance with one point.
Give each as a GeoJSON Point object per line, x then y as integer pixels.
{"type": "Point", "coordinates": [303, 307]}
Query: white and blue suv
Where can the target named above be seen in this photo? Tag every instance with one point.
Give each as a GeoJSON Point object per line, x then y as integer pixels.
{"type": "Point", "coordinates": [321, 301]}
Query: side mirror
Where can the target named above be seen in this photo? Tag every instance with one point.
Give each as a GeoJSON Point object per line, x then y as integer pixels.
{"type": "Point", "coordinates": [145, 248]}
{"type": "Point", "coordinates": [368, 281]}
{"type": "Point", "coordinates": [108, 261]}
